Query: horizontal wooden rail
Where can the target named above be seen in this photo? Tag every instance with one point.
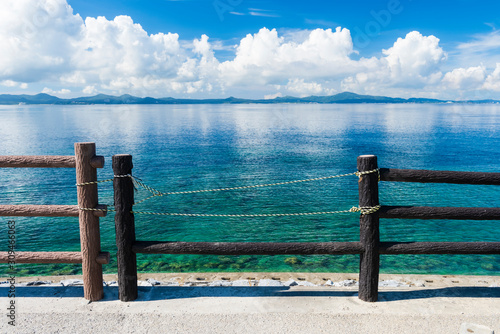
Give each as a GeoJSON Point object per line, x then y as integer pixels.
{"type": "Point", "coordinates": [298, 248]}
{"type": "Point", "coordinates": [247, 248]}
{"type": "Point", "coordinates": [434, 176]}
{"type": "Point", "coordinates": [50, 257]}
{"type": "Point", "coordinates": [40, 161]}
{"type": "Point", "coordinates": [440, 248]}
{"type": "Point", "coordinates": [46, 211]}
{"type": "Point", "coordinates": [426, 212]}
{"type": "Point", "coordinates": [45, 161]}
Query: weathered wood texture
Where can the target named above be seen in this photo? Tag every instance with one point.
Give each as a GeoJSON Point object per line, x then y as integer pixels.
{"type": "Point", "coordinates": [125, 228]}
{"type": "Point", "coordinates": [97, 161]}
{"type": "Point", "coordinates": [369, 230]}
{"type": "Point", "coordinates": [39, 210]}
{"type": "Point", "coordinates": [247, 248]}
{"type": "Point", "coordinates": [424, 212]}
{"type": "Point", "coordinates": [103, 258]}
{"type": "Point", "coordinates": [432, 176]}
{"type": "Point", "coordinates": [45, 161]}
{"type": "Point", "coordinates": [41, 161]}
{"type": "Point", "coordinates": [440, 248]}
{"type": "Point", "coordinates": [90, 238]}
{"type": "Point", "coordinates": [45, 211]}
{"type": "Point", "coordinates": [50, 257]}
{"type": "Point", "coordinates": [43, 257]}
{"type": "Point", "coordinates": [337, 248]}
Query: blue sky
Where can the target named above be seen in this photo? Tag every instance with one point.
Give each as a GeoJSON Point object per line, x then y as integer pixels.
{"type": "Point", "coordinates": [452, 21]}
{"type": "Point", "coordinates": [217, 48]}
{"type": "Point", "coordinates": [190, 18]}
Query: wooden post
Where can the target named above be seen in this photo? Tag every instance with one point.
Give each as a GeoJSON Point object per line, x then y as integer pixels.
{"type": "Point", "coordinates": [369, 230]}
{"type": "Point", "coordinates": [125, 227]}
{"type": "Point", "coordinates": [90, 238]}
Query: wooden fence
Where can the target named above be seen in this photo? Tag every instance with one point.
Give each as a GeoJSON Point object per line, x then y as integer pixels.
{"type": "Point", "coordinates": [369, 247]}
{"type": "Point", "coordinates": [85, 162]}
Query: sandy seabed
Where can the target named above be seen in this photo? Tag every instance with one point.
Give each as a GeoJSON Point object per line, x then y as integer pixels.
{"type": "Point", "coordinates": [258, 303]}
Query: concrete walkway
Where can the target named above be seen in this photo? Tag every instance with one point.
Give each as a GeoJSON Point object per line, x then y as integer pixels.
{"type": "Point", "coordinates": [251, 309]}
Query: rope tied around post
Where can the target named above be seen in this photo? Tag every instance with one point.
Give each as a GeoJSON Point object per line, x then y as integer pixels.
{"type": "Point", "coordinates": [366, 210]}
{"type": "Point", "coordinates": [95, 209]}
{"type": "Point", "coordinates": [93, 182]}
{"type": "Point", "coordinates": [102, 181]}
{"type": "Point", "coordinates": [360, 174]}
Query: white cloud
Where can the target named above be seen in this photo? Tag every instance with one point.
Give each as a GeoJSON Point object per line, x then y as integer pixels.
{"type": "Point", "coordinates": [37, 39]}
{"type": "Point", "coordinates": [465, 78]}
{"type": "Point", "coordinates": [411, 63]}
{"type": "Point", "coordinates": [265, 58]}
{"type": "Point", "coordinates": [53, 92]}
{"type": "Point", "coordinates": [272, 96]}
{"type": "Point", "coordinates": [122, 57]}
{"type": "Point", "coordinates": [481, 49]}
{"type": "Point", "coordinates": [482, 43]}
{"type": "Point", "coordinates": [300, 88]}
{"type": "Point", "coordinates": [492, 82]}
{"type": "Point", "coordinates": [415, 57]}
{"type": "Point", "coordinates": [9, 83]}
{"type": "Point", "coordinates": [89, 90]}
{"type": "Point", "coordinates": [45, 43]}
{"type": "Point", "coordinates": [262, 14]}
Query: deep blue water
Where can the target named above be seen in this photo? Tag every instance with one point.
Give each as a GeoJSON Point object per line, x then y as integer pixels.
{"type": "Point", "coordinates": [190, 147]}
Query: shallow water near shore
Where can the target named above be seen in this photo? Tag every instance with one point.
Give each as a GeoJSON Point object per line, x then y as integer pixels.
{"type": "Point", "coordinates": [191, 147]}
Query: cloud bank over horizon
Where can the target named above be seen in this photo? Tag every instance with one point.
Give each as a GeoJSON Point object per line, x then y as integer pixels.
{"type": "Point", "coordinates": [47, 46]}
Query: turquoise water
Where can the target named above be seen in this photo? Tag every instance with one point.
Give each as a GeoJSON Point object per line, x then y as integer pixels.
{"type": "Point", "coordinates": [190, 147]}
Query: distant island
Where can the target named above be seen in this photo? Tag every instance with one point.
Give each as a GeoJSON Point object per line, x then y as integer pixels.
{"type": "Point", "coordinates": [346, 97]}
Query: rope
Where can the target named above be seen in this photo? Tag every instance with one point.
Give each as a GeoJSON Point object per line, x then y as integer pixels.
{"type": "Point", "coordinates": [92, 182]}
{"type": "Point", "coordinates": [257, 185]}
{"type": "Point", "coordinates": [96, 182]}
{"type": "Point", "coordinates": [92, 209]}
{"type": "Point", "coordinates": [363, 210]}
{"type": "Point", "coordinates": [366, 210]}
{"type": "Point", "coordinates": [157, 193]}
{"type": "Point", "coordinates": [359, 174]}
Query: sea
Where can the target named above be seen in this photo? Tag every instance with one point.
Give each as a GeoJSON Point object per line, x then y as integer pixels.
{"type": "Point", "coordinates": [179, 148]}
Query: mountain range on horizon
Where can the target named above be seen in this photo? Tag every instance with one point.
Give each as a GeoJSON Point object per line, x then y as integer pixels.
{"type": "Point", "coordinates": [344, 98]}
